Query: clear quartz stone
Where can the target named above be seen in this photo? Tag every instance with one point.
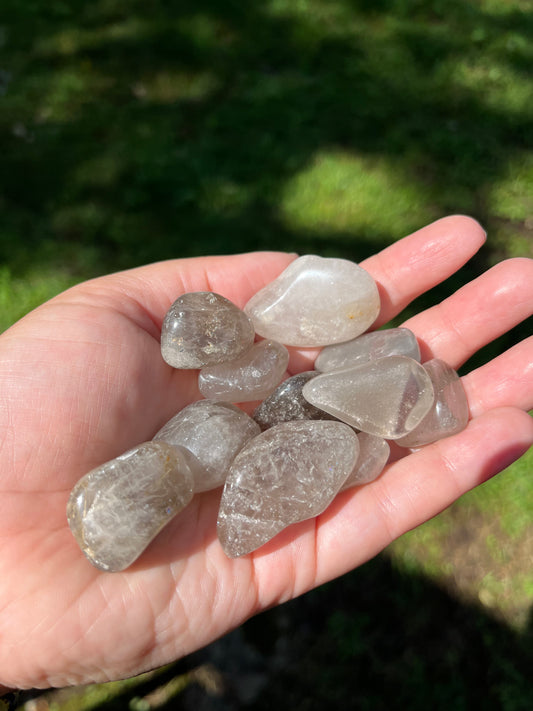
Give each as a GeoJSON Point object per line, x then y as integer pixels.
{"type": "Point", "coordinates": [388, 397]}
{"type": "Point", "coordinates": [213, 432]}
{"type": "Point", "coordinates": [253, 376]}
{"type": "Point", "coordinates": [117, 509]}
{"type": "Point", "coordinates": [315, 301]}
{"type": "Point", "coordinates": [292, 471]}
{"type": "Point", "coordinates": [287, 474]}
{"type": "Point", "coordinates": [203, 328]}
{"type": "Point", "coordinates": [373, 455]}
{"type": "Point", "coordinates": [368, 347]}
{"type": "Point", "coordinates": [449, 413]}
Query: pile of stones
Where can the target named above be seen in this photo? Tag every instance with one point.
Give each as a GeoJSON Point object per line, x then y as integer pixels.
{"type": "Point", "coordinates": [313, 435]}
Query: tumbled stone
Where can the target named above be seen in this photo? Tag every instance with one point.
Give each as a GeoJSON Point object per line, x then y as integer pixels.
{"type": "Point", "coordinates": [388, 397]}
{"type": "Point", "coordinates": [315, 301]}
{"type": "Point", "coordinates": [253, 376]}
{"type": "Point", "coordinates": [287, 403]}
{"type": "Point", "coordinates": [213, 432]}
{"type": "Point", "coordinates": [202, 328]}
{"type": "Point", "coordinates": [117, 509]}
{"type": "Point", "coordinates": [449, 412]}
{"type": "Point", "coordinates": [373, 455]}
{"type": "Point", "coordinates": [287, 474]}
{"type": "Point", "coordinates": [368, 347]}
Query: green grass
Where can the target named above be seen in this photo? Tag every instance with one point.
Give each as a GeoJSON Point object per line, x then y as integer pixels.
{"type": "Point", "coordinates": [480, 548]}
{"type": "Point", "coordinates": [129, 135]}
{"type": "Point", "coordinates": [137, 131]}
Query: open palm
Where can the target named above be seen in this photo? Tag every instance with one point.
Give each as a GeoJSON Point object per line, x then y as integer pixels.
{"type": "Point", "coordinates": [82, 380]}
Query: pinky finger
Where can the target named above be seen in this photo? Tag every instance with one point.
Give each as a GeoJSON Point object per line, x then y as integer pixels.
{"type": "Point", "coordinates": [418, 487]}
{"type": "Point", "coordinates": [506, 380]}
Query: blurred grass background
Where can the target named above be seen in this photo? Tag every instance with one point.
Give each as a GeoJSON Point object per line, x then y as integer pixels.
{"type": "Point", "coordinates": [137, 131]}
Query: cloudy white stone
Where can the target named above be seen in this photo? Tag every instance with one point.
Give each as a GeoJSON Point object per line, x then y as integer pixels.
{"type": "Point", "coordinates": [118, 508]}
{"type": "Point", "coordinates": [315, 301]}
{"type": "Point", "coordinates": [203, 328]}
{"type": "Point", "coordinates": [213, 432]}
{"type": "Point", "coordinates": [373, 456]}
{"type": "Point", "coordinates": [448, 414]}
{"type": "Point", "coordinates": [253, 376]}
{"type": "Point", "coordinates": [368, 347]}
{"type": "Point", "coordinates": [388, 397]}
{"type": "Point", "coordinates": [289, 473]}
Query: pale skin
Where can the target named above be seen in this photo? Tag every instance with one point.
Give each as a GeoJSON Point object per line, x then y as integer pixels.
{"type": "Point", "coordinates": [82, 380]}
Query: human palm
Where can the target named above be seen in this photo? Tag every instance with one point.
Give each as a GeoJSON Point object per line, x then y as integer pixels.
{"type": "Point", "coordinates": [82, 380]}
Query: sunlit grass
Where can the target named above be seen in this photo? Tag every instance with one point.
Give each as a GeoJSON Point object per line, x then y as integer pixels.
{"type": "Point", "coordinates": [357, 195]}
{"type": "Point", "coordinates": [480, 547]}
{"type": "Point", "coordinates": [19, 296]}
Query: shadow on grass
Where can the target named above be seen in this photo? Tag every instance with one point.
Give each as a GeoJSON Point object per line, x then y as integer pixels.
{"type": "Point", "coordinates": [374, 639]}
{"type": "Point", "coordinates": [138, 131]}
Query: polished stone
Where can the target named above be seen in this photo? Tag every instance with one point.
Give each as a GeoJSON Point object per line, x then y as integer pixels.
{"type": "Point", "coordinates": [368, 347]}
{"type": "Point", "coordinates": [117, 509]}
{"type": "Point", "coordinates": [373, 455]}
{"type": "Point", "coordinates": [203, 328]}
{"type": "Point", "coordinates": [449, 412]}
{"type": "Point", "coordinates": [213, 432]}
{"type": "Point", "coordinates": [253, 376]}
{"type": "Point", "coordinates": [315, 301]}
{"type": "Point", "coordinates": [287, 403]}
{"type": "Point", "coordinates": [388, 397]}
{"type": "Point", "coordinates": [287, 474]}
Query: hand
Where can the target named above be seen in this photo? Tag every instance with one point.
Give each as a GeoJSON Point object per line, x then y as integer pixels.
{"type": "Point", "coordinates": [82, 380]}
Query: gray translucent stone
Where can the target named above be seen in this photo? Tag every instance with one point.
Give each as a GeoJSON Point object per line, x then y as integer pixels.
{"type": "Point", "coordinates": [315, 301]}
{"type": "Point", "coordinates": [373, 455]}
{"type": "Point", "coordinates": [369, 346]}
{"type": "Point", "coordinates": [287, 474]}
{"type": "Point", "coordinates": [388, 397]}
{"type": "Point", "coordinates": [115, 510]}
{"type": "Point", "coordinates": [287, 403]}
{"type": "Point", "coordinates": [203, 328]}
{"type": "Point", "coordinates": [253, 376]}
{"type": "Point", "coordinates": [213, 432]}
{"type": "Point", "coordinates": [449, 412]}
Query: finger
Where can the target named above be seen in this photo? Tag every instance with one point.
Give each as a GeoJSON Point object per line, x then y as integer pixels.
{"type": "Point", "coordinates": [403, 271]}
{"type": "Point", "coordinates": [505, 381]}
{"type": "Point", "coordinates": [146, 293]}
{"type": "Point", "coordinates": [416, 488]}
{"type": "Point", "coordinates": [477, 313]}
{"type": "Point", "coordinates": [416, 263]}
